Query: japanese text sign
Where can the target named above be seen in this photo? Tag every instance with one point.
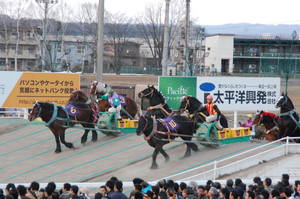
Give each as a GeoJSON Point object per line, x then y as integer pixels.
{"type": "Point", "coordinates": [240, 93]}
{"type": "Point", "coordinates": [22, 89]}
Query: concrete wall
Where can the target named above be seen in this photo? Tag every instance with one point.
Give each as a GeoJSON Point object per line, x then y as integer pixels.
{"type": "Point", "coordinates": [219, 47]}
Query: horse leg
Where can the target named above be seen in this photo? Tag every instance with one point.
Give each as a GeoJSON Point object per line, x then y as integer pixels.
{"type": "Point", "coordinates": [94, 135]}
{"type": "Point", "coordinates": [166, 156]}
{"type": "Point", "coordinates": [188, 151]}
{"type": "Point", "coordinates": [58, 147]}
{"type": "Point", "coordinates": [154, 155]}
{"type": "Point", "coordinates": [62, 139]}
{"type": "Point", "coordinates": [84, 136]}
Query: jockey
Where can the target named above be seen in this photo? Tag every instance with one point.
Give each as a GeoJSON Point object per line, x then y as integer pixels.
{"type": "Point", "coordinates": [115, 103]}
{"type": "Point", "coordinates": [213, 111]}
{"type": "Point", "coordinates": [248, 123]}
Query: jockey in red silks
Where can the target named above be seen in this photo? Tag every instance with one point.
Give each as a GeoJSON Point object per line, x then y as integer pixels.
{"type": "Point", "coordinates": [273, 115]}
{"type": "Point", "coordinates": [213, 111]}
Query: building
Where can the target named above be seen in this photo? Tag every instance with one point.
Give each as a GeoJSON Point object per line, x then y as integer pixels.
{"type": "Point", "coordinates": [219, 53]}
{"type": "Point", "coordinates": [19, 53]}
{"type": "Point", "coordinates": [266, 55]}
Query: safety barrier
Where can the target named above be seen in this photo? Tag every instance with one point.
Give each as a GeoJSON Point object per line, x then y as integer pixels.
{"type": "Point", "coordinates": [14, 113]}
{"type": "Point", "coordinates": [241, 161]}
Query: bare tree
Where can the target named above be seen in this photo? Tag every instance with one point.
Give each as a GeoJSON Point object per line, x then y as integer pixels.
{"type": "Point", "coordinates": [151, 27]}
{"type": "Point", "coordinates": [118, 26]}
{"type": "Point", "coordinates": [87, 18]}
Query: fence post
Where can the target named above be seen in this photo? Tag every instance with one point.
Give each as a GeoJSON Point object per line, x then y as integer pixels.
{"type": "Point", "coordinates": [25, 114]}
{"type": "Point", "coordinates": [215, 170]}
{"type": "Point", "coordinates": [287, 145]}
{"type": "Point", "coordinates": [235, 122]}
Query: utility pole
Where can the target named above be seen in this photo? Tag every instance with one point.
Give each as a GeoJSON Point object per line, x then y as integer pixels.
{"type": "Point", "coordinates": [187, 28]}
{"type": "Point", "coordinates": [100, 41]}
{"type": "Point", "coordinates": [166, 40]}
{"type": "Point", "coordinates": [45, 25]}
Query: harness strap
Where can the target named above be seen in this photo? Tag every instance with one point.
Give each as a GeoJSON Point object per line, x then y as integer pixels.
{"type": "Point", "coordinates": [290, 113]}
{"type": "Point", "coordinates": [159, 106]}
{"type": "Point", "coordinates": [54, 115]}
{"type": "Point", "coordinates": [154, 130]}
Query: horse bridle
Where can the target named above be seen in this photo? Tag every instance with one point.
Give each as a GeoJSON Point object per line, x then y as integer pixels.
{"type": "Point", "coordinates": [150, 93]}
{"type": "Point", "coordinates": [39, 109]}
{"type": "Point", "coordinates": [187, 103]}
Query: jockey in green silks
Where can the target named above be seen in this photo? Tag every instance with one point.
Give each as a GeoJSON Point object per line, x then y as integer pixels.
{"type": "Point", "coordinates": [115, 103]}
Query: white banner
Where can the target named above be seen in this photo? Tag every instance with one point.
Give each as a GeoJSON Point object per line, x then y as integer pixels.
{"type": "Point", "coordinates": [240, 93]}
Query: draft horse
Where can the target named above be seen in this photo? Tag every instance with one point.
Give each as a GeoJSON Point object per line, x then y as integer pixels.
{"type": "Point", "coordinates": [99, 89]}
{"type": "Point", "coordinates": [57, 119]}
{"type": "Point", "coordinates": [158, 106]}
{"type": "Point", "coordinates": [270, 121]}
{"type": "Point", "coordinates": [289, 119]}
{"type": "Point", "coordinates": [197, 111]}
{"type": "Point", "coordinates": [159, 132]}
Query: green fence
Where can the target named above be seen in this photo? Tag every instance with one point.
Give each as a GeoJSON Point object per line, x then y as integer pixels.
{"type": "Point", "coordinates": [141, 70]}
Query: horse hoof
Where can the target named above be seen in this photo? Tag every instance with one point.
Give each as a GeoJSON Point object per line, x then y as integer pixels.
{"type": "Point", "coordinates": [167, 159]}
{"type": "Point", "coordinates": [70, 145]}
{"type": "Point", "coordinates": [83, 140]}
{"type": "Point", "coordinates": [57, 150]}
{"type": "Point", "coordinates": [154, 167]}
{"type": "Point", "coordinates": [94, 139]}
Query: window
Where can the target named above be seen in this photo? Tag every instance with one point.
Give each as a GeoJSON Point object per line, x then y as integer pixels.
{"type": "Point", "coordinates": [13, 48]}
{"type": "Point", "coordinates": [30, 63]}
{"type": "Point", "coordinates": [2, 62]}
{"type": "Point", "coordinates": [2, 48]}
{"type": "Point", "coordinates": [59, 48]}
{"type": "Point", "coordinates": [58, 61]}
{"type": "Point", "coordinates": [31, 50]}
{"type": "Point", "coordinates": [20, 50]}
{"type": "Point", "coordinates": [80, 49]}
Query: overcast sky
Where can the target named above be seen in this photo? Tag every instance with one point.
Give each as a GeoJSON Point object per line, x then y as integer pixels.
{"type": "Point", "coordinates": [214, 12]}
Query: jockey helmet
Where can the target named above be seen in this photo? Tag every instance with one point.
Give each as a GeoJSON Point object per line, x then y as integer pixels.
{"type": "Point", "coordinates": [209, 97]}
{"type": "Point", "coordinates": [104, 97]}
{"type": "Point", "coordinates": [249, 115]}
{"type": "Point", "coordinates": [110, 91]}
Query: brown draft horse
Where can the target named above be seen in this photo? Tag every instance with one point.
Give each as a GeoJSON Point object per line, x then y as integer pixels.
{"type": "Point", "coordinates": [96, 90]}
{"type": "Point", "coordinates": [57, 119]}
{"type": "Point", "coordinates": [270, 124]}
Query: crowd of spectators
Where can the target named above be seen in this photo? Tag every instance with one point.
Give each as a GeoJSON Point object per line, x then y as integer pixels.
{"type": "Point", "coordinates": [164, 189]}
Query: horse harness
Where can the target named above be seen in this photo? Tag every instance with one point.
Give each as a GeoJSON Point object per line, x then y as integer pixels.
{"type": "Point", "coordinates": [155, 130]}
{"type": "Point", "coordinates": [291, 115]}
{"type": "Point", "coordinates": [54, 115]}
{"type": "Point", "coordinates": [160, 106]}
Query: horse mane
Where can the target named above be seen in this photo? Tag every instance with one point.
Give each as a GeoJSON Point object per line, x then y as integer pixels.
{"type": "Point", "coordinates": [158, 93]}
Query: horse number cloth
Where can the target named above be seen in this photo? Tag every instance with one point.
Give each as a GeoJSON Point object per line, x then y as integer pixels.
{"type": "Point", "coordinates": [72, 110]}
{"type": "Point", "coordinates": [171, 124]}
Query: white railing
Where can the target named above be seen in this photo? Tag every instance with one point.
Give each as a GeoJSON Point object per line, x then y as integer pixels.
{"type": "Point", "coordinates": [240, 161]}
{"type": "Point", "coordinates": [14, 114]}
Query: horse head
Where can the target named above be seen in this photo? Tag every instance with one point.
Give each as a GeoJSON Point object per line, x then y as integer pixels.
{"type": "Point", "coordinates": [257, 118]}
{"type": "Point", "coordinates": [78, 96]}
{"type": "Point", "coordinates": [35, 112]}
{"type": "Point", "coordinates": [93, 88]}
{"type": "Point", "coordinates": [284, 102]}
{"type": "Point", "coordinates": [148, 92]}
{"type": "Point", "coordinates": [143, 124]}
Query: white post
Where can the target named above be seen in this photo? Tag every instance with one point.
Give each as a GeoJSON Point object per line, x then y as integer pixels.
{"type": "Point", "coordinates": [166, 40]}
{"type": "Point", "coordinates": [235, 122]}
{"type": "Point", "coordinates": [100, 41]}
{"type": "Point", "coordinates": [287, 145]}
{"type": "Point", "coordinates": [25, 113]}
{"type": "Point", "coordinates": [215, 170]}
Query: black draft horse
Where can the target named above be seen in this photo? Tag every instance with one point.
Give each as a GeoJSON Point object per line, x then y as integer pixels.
{"type": "Point", "coordinates": [289, 119]}
{"type": "Point", "coordinates": [159, 132]}
{"type": "Point", "coordinates": [158, 106]}
{"type": "Point", "coordinates": [196, 110]}
{"type": "Point", "coordinates": [58, 120]}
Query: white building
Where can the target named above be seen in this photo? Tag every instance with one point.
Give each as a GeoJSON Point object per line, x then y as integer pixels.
{"type": "Point", "coordinates": [219, 53]}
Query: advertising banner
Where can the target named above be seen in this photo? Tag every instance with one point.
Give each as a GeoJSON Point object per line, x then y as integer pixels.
{"type": "Point", "coordinates": [173, 88]}
{"type": "Point", "coordinates": [240, 93]}
{"type": "Point", "coordinates": [22, 89]}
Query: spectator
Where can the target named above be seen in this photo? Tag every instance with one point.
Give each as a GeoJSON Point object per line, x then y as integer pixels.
{"type": "Point", "coordinates": [22, 192]}
{"type": "Point", "coordinates": [11, 190]}
{"type": "Point", "coordinates": [74, 192]}
{"type": "Point", "coordinates": [66, 191]}
{"type": "Point", "coordinates": [213, 193]}
{"type": "Point", "coordinates": [118, 188]}
{"type": "Point", "coordinates": [2, 194]}
{"type": "Point", "coordinates": [110, 188]}
{"type": "Point", "coordinates": [229, 185]}
{"type": "Point", "coordinates": [201, 192]}
{"type": "Point", "coordinates": [55, 195]}
{"type": "Point", "coordinates": [297, 189]}
{"type": "Point", "coordinates": [250, 195]}
{"type": "Point", "coordinates": [138, 195]}
{"type": "Point", "coordinates": [268, 184]}
{"type": "Point", "coordinates": [225, 193]}
{"type": "Point", "coordinates": [188, 193]}
{"type": "Point", "coordinates": [33, 191]}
